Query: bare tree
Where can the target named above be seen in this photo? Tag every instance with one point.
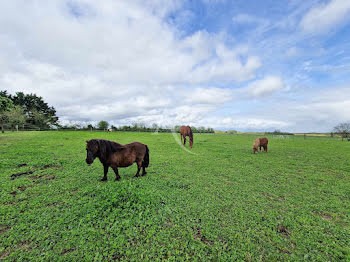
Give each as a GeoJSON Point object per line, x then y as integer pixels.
{"type": "Point", "coordinates": [342, 129]}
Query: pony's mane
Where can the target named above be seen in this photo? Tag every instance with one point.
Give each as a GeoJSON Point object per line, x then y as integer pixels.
{"type": "Point", "coordinates": [114, 145]}
{"type": "Point", "coordinates": [106, 148]}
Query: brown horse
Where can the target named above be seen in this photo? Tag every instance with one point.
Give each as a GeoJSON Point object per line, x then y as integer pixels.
{"type": "Point", "coordinates": [186, 131]}
{"type": "Point", "coordinates": [114, 155]}
{"type": "Point", "coordinates": [260, 142]}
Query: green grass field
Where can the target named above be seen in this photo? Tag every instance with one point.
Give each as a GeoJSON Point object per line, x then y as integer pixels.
{"type": "Point", "coordinates": [221, 204]}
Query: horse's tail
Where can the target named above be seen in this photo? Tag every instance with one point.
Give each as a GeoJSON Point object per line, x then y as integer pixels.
{"type": "Point", "coordinates": [146, 158]}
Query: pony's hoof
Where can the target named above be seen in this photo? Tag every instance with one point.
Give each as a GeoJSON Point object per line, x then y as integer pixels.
{"type": "Point", "coordinates": [117, 179]}
{"type": "Point", "coordinates": [103, 179]}
{"type": "Point", "coordinates": [144, 174]}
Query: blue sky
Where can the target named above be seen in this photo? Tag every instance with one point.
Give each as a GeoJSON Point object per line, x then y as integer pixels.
{"type": "Point", "coordinates": [244, 65]}
{"type": "Point", "coordinates": [272, 31]}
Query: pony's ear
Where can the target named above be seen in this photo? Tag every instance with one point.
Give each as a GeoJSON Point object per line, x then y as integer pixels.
{"type": "Point", "coordinates": [87, 141]}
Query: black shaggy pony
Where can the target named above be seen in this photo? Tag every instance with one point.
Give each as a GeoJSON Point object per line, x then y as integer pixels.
{"type": "Point", "coordinates": [114, 155]}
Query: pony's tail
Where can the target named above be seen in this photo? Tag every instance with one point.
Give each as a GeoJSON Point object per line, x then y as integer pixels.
{"type": "Point", "coordinates": [146, 158]}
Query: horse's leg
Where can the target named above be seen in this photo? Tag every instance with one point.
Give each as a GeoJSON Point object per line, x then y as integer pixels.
{"type": "Point", "coordinates": [138, 168]}
{"type": "Point", "coordinates": [181, 139]}
{"type": "Point", "coordinates": [138, 171]}
{"type": "Point", "coordinates": [143, 169]}
{"type": "Point", "coordinates": [184, 140]}
{"type": "Point", "coordinates": [265, 148]}
{"type": "Point", "coordinates": [117, 176]}
{"type": "Point", "coordinates": [105, 166]}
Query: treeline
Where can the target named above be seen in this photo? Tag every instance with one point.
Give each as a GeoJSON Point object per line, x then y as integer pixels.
{"type": "Point", "coordinates": [25, 111]}
{"type": "Point", "coordinates": [136, 127]}
{"type": "Point", "coordinates": [278, 132]}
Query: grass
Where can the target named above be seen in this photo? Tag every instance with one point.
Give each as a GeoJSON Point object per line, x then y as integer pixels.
{"type": "Point", "coordinates": [221, 204]}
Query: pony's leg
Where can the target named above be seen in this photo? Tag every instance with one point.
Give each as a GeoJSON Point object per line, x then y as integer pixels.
{"type": "Point", "coordinates": [117, 176]}
{"type": "Point", "coordinates": [181, 139]}
{"type": "Point", "coordinates": [265, 148]}
{"type": "Point", "coordinates": [143, 171]}
{"type": "Point", "coordinates": [105, 172]}
{"type": "Point", "coordinates": [184, 140]}
{"type": "Point", "coordinates": [138, 169]}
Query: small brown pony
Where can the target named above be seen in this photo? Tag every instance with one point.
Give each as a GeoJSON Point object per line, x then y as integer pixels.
{"type": "Point", "coordinates": [114, 155]}
{"type": "Point", "coordinates": [260, 142]}
{"type": "Point", "coordinates": [186, 131]}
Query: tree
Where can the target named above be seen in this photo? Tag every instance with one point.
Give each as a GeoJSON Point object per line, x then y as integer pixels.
{"type": "Point", "coordinates": [342, 129]}
{"type": "Point", "coordinates": [5, 105]}
{"type": "Point", "coordinates": [39, 120]}
{"type": "Point", "coordinates": [4, 94]}
{"type": "Point", "coordinates": [16, 117]}
{"type": "Point", "coordinates": [33, 105]}
{"type": "Point", "coordinates": [154, 127]}
{"type": "Point", "coordinates": [103, 125]}
{"type": "Point", "coordinates": [135, 126]}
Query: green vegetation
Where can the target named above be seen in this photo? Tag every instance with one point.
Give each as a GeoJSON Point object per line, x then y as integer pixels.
{"type": "Point", "coordinates": [222, 203]}
{"type": "Point", "coordinates": [6, 106]}
{"type": "Point", "coordinates": [278, 132]}
{"type": "Point", "coordinates": [27, 111]}
{"type": "Point", "coordinates": [135, 127]}
{"type": "Point", "coordinates": [103, 125]}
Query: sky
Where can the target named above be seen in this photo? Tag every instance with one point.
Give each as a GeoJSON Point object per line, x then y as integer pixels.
{"type": "Point", "coordinates": [246, 65]}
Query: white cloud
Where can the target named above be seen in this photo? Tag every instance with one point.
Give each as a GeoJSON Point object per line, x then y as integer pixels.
{"type": "Point", "coordinates": [116, 60]}
{"type": "Point", "coordinates": [317, 112]}
{"type": "Point", "coordinates": [264, 86]}
{"type": "Point", "coordinates": [332, 104]}
{"type": "Point", "coordinates": [87, 98]}
{"type": "Point", "coordinates": [325, 17]}
{"type": "Point", "coordinates": [248, 122]}
{"type": "Point", "coordinates": [209, 96]}
{"type": "Point", "coordinates": [122, 41]}
{"type": "Point", "coordinates": [126, 61]}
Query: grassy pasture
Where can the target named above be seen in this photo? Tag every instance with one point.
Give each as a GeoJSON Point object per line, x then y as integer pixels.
{"type": "Point", "coordinates": [220, 204]}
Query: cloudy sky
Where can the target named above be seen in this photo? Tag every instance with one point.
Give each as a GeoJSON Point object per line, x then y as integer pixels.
{"type": "Point", "coordinates": [244, 64]}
